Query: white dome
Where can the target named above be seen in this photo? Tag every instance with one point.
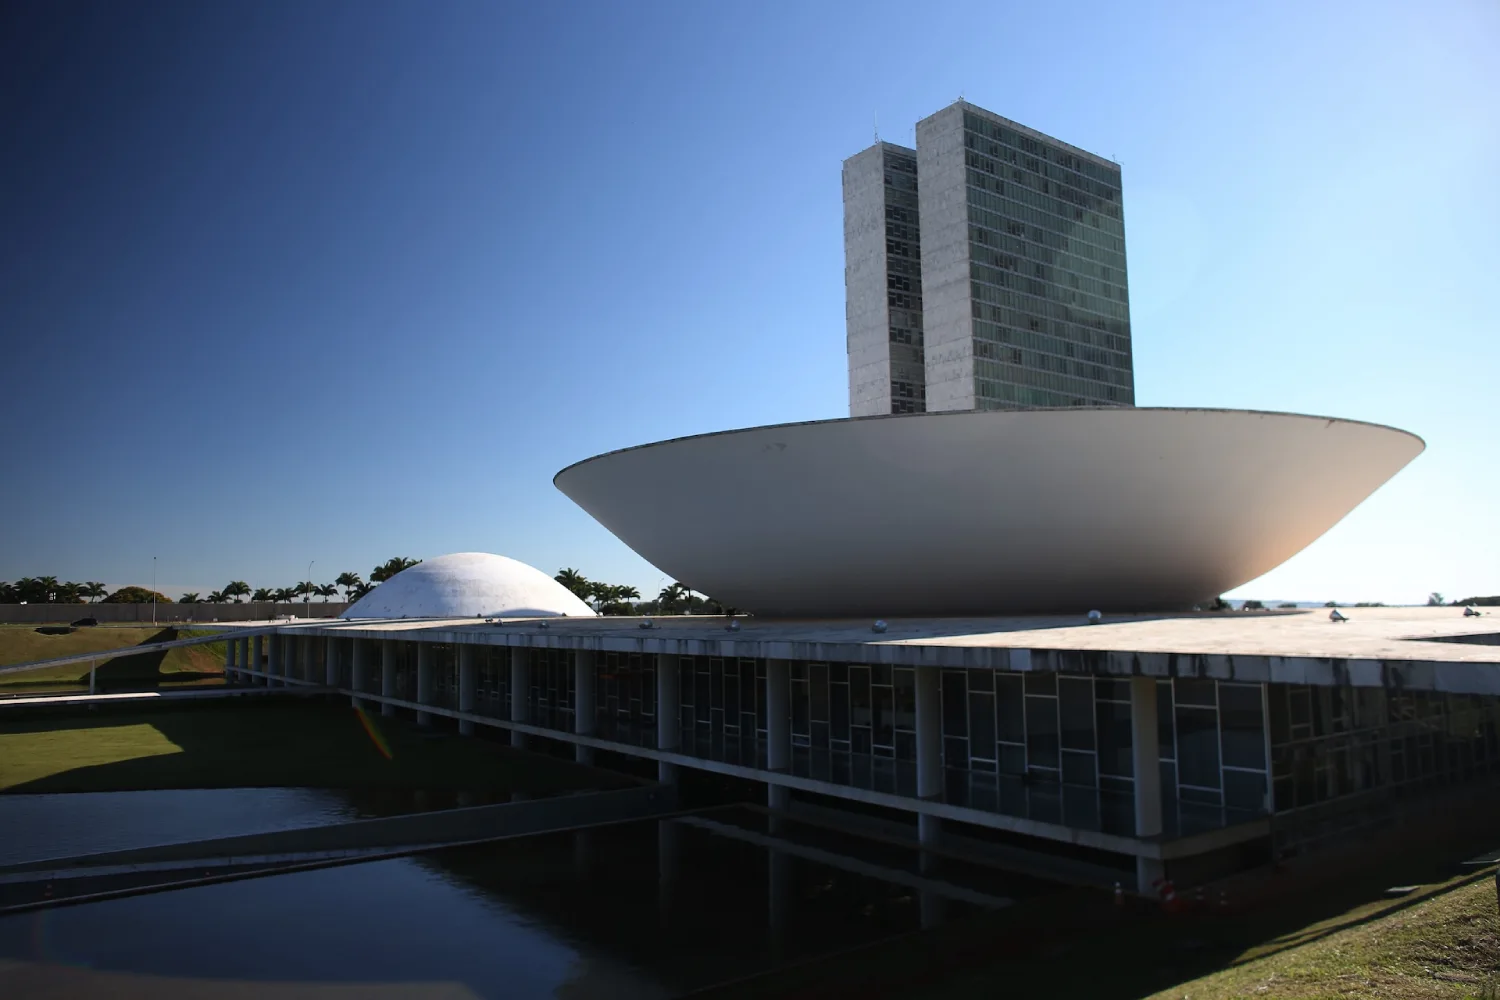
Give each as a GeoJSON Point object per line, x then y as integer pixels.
{"type": "Point", "coordinates": [469, 585]}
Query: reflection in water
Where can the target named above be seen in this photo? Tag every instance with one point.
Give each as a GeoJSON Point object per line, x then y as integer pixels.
{"type": "Point", "coordinates": [643, 909]}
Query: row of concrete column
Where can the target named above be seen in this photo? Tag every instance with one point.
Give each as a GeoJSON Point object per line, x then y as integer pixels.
{"type": "Point", "coordinates": [286, 654]}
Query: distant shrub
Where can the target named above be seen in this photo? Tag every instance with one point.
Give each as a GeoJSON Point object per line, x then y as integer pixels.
{"type": "Point", "coordinates": [136, 595]}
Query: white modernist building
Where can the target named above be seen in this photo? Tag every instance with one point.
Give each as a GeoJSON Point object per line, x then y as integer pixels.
{"type": "Point", "coordinates": [988, 512]}
{"type": "Point", "coordinates": [1159, 741]}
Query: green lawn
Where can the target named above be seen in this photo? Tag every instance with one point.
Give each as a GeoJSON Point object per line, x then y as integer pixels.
{"type": "Point", "coordinates": [1442, 941]}
{"type": "Point", "coordinates": [188, 665]}
{"type": "Point", "coordinates": [261, 743]}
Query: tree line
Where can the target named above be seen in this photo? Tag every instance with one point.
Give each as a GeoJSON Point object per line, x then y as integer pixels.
{"type": "Point", "coordinates": [616, 599]}
{"type": "Point", "coordinates": [48, 590]}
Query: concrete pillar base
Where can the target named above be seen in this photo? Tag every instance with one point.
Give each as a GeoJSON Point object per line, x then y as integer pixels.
{"type": "Point", "coordinates": [1148, 872]}
{"type": "Point", "coordinates": [518, 740]}
{"type": "Point", "coordinates": [584, 755]}
{"type": "Point", "coordinates": [666, 773]}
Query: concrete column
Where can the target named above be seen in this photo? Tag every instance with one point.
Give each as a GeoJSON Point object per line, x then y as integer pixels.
{"type": "Point", "coordinates": [424, 681]}
{"type": "Point", "coordinates": [1145, 759]}
{"type": "Point", "coordinates": [257, 660]}
{"type": "Point", "coordinates": [467, 657]}
{"type": "Point", "coordinates": [520, 691]}
{"type": "Point", "coordinates": [305, 658]}
{"type": "Point", "coordinates": [668, 713]}
{"type": "Point", "coordinates": [331, 662]}
{"type": "Point", "coordinates": [273, 660]}
{"type": "Point", "coordinates": [778, 728]}
{"type": "Point", "coordinates": [583, 702]}
{"type": "Point", "coordinates": [231, 651]}
{"type": "Point", "coordinates": [359, 668]}
{"type": "Point", "coordinates": [779, 901]}
{"type": "Point", "coordinates": [387, 675]}
{"type": "Point", "coordinates": [666, 865]}
{"type": "Point", "coordinates": [929, 752]}
{"type": "Point", "coordinates": [290, 665]}
{"type": "Point", "coordinates": [245, 662]}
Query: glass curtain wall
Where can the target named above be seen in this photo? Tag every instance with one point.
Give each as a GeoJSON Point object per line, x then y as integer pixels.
{"type": "Point", "coordinates": [444, 675]}
{"type": "Point", "coordinates": [492, 682]}
{"type": "Point", "coordinates": [722, 703]}
{"type": "Point", "coordinates": [1332, 743]}
{"type": "Point", "coordinates": [625, 698]}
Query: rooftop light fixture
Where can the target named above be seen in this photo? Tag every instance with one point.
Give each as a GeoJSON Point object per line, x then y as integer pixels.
{"type": "Point", "coordinates": [879, 626]}
{"type": "Point", "coordinates": [1095, 617]}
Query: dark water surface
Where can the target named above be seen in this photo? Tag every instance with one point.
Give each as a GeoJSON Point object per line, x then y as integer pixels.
{"type": "Point", "coordinates": [641, 909]}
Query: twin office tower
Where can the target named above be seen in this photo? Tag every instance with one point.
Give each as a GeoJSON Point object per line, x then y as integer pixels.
{"type": "Point", "coordinates": [984, 270]}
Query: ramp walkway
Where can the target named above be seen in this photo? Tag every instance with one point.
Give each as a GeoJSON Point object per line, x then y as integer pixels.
{"type": "Point", "coordinates": [49, 882]}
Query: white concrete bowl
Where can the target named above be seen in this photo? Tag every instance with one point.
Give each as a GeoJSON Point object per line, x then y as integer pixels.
{"type": "Point", "coordinates": [987, 512]}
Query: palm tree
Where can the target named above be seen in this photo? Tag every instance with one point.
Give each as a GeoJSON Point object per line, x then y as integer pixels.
{"type": "Point", "coordinates": [217, 597]}
{"type": "Point", "coordinates": [93, 590]}
{"type": "Point", "coordinates": [350, 582]}
{"type": "Point", "coordinates": [283, 595]}
{"type": "Point", "coordinates": [671, 599]}
{"type": "Point", "coordinates": [391, 567]}
{"type": "Point", "coordinates": [325, 591]}
{"type": "Point", "coordinates": [237, 589]}
{"type": "Point", "coordinates": [191, 597]}
{"type": "Point", "coordinates": [261, 594]}
{"type": "Point", "coordinates": [360, 590]}
{"type": "Point", "coordinates": [576, 582]}
{"type": "Point", "coordinates": [67, 593]}
{"type": "Point", "coordinates": [48, 587]}
{"type": "Point", "coordinates": [8, 593]}
{"type": "Point", "coordinates": [305, 590]}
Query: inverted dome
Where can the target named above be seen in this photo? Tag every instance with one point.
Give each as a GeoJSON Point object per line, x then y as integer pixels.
{"type": "Point", "coordinates": [987, 512]}
{"type": "Point", "coordinates": [469, 585]}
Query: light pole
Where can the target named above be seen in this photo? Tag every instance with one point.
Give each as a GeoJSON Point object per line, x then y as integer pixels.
{"type": "Point", "coordinates": [307, 596]}
{"type": "Point", "coordinates": [153, 590]}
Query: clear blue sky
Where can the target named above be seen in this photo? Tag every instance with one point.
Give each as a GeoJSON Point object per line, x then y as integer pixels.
{"type": "Point", "coordinates": [337, 281]}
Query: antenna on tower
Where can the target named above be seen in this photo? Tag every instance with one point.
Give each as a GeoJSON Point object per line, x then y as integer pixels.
{"type": "Point", "coordinates": [877, 126]}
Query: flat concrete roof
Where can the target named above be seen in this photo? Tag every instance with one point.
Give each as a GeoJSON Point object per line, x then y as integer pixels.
{"type": "Point", "coordinates": [1419, 648]}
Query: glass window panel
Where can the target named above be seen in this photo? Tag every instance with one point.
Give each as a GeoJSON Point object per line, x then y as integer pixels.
{"type": "Point", "coordinates": [1012, 759]}
{"type": "Point", "coordinates": [1241, 725]}
{"type": "Point", "coordinates": [883, 716]}
{"type": "Point", "coordinates": [906, 699]}
{"type": "Point", "coordinates": [1075, 697]}
{"type": "Point", "coordinates": [1078, 768]}
{"type": "Point", "coordinates": [880, 674]}
{"type": "Point", "coordinates": [981, 680]}
{"type": "Point", "coordinates": [1113, 724]}
{"type": "Point", "coordinates": [817, 682]}
{"type": "Point", "coordinates": [1043, 683]}
{"type": "Point", "coordinates": [1281, 720]}
{"type": "Point", "coordinates": [1041, 732]}
{"type": "Point", "coordinates": [1107, 689]}
{"type": "Point", "coordinates": [799, 708]}
{"type": "Point", "coordinates": [1010, 709]}
{"type": "Point", "coordinates": [838, 710]}
{"type": "Point", "coordinates": [1164, 730]}
{"type": "Point", "coordinates": [859, 696]}
{"type": "Point", "coordinates": [955, 703]}
{"type": "Point", "coordinates": [1192, 691]}
{"type": "Point", "coordinates": [1198, 747]}
{"type": "Point", "coordinates": [1245, 790]}
{"type": "Point", "coordinates": [982, 725]}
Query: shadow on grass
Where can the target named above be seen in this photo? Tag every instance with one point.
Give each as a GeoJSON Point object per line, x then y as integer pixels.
{"type": "Point", "coordinates": [1077, 943]}
{"type": "Point", "coordinates": [308, 743]}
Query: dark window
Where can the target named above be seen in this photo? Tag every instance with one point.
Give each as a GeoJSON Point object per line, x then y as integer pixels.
{"type": "Point", "coordinates": [1041, 732]}
{"type": "Point", "coordinates": [1244, 740]}
{"type": "Point", "coordinates": [1076, 706]}
{"type": "Point", "coordinates": [955, 703]}
{"type": "Point", "coordinates": [1010, 711]}
{"type": "Point", "coordinates": [1113, 722]}
{"type": "Point", "coordinates": [1197, 747]}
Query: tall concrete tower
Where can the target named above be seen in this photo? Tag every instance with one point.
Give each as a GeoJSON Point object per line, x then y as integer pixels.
{"type": "Point", "coordinates": [883, 282]}
{"type": "Point", "coordinates": [1017, 296]}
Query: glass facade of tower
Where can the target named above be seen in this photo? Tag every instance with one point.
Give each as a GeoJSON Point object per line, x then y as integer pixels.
{"type": "Point", "coordinates": [903, 252]}
{"type": "Point", "coordinates": [1051, 314]}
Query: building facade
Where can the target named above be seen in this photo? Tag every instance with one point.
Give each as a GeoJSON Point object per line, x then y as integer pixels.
{"type": "Point", "coordinates": [1152, 765]}
{"type": "Point", "coordinates": [883, 282]}
{"type": "Point", "coordinates": [1018, 296]}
